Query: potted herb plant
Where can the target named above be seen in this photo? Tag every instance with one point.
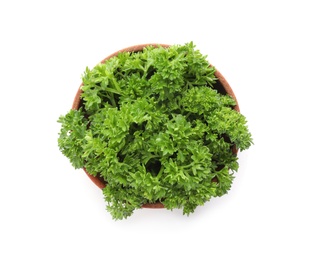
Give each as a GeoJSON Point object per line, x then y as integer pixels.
{"type": "Point", "coordinates": [155, 126]}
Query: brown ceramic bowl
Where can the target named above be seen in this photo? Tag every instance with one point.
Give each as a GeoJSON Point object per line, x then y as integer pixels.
{"type": "Point", "coordinates": [221, 85]}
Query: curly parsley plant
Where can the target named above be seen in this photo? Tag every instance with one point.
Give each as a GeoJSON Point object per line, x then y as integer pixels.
{"type": "Point", "coordinates": [153, 126]}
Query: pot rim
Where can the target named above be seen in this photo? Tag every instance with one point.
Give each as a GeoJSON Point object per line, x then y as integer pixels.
{"type": "Point", "coordinates": [134, 48]}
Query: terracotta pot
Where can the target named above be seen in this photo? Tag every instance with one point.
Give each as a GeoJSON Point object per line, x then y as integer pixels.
{"type": "Point", "coordinates": [221, 85]}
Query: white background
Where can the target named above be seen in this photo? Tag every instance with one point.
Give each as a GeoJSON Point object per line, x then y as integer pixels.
{"type": "Point", "coordinates": [265, 50]}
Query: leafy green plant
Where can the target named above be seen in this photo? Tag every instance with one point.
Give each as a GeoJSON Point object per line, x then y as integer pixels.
{"type": "Point", "coordinates": [153, 126]}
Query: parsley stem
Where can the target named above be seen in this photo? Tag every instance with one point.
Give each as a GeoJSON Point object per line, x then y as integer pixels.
{"type": "Point", "coordinates": [162, 168]}
{"type": "Point", "coordinates": [112, 99]}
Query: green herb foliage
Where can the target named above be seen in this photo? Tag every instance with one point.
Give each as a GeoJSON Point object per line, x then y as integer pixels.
{"type": "Point", "coordinates": [153, 126]}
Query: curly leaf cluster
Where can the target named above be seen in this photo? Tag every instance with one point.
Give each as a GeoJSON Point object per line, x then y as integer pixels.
{"type": "Point", "coordinates": [153, 126]}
